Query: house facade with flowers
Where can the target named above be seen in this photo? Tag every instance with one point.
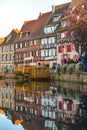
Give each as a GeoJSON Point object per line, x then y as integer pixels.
{"type": "Point", "coordinates": [68, 48]}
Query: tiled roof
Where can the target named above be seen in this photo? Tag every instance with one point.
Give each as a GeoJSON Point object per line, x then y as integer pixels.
{"type": "Point", "coordinates": [39, 25]}
{"type": "Point", "coordinates": [11, 37]}
{"type": "Point", "coordinates": [58, 9]}
{"type": "Point", "coordinates": [26, 27]}
{"type": "Point", "coordinates": [75, 3]}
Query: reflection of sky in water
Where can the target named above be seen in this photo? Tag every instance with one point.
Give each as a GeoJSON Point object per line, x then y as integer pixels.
{"type": "Point", "coordinates": [6, 124]}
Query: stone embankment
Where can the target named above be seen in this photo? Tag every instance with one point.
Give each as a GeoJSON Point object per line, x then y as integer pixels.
{"type": "Point", "coordinates": [74, 77]}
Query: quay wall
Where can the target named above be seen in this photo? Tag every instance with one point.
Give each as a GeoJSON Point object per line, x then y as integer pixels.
{"type": "Point", "coordinates": [74, 77]}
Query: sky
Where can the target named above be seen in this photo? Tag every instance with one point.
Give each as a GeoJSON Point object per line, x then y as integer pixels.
{"type": "Point", "coordinates": [13, 13]}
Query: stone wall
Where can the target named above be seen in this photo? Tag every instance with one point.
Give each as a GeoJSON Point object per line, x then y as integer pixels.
{"type": "Point", "coordinates": [74, 77]}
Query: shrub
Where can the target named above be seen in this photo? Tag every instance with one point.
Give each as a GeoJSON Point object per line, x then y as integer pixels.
{"type": "Point", "coordinates": [71, 68]}
{"type": "Point", "coordinates": [79, 67]}
{"type": "Point", "coordinates": [18, 73]}
{"type": "Point", "coordinates": [59, 68]}
{"type": "Point", "coordinates": [64, 68]}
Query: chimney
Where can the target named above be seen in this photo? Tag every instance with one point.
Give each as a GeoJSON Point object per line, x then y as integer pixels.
{"type": "Point", "coordinates": [40, 14]}
{"type": "Point", "coordinates": [53, 8]}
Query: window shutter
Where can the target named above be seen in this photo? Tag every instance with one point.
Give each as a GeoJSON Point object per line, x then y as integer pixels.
{"type": "Point", "coordinates": [60, 105]}
{"type": "Point", "coordinates": [68, 48]}
{"type": "Point", "coordinates": [69, 106]}
{"type": "Point", "coordinates": [59, 49]}
{"type": "Point", "coordinates": [58, 36]}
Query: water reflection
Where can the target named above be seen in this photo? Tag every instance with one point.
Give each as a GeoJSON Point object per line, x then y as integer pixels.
{"type": "Point", "coordinates": [45, 105]}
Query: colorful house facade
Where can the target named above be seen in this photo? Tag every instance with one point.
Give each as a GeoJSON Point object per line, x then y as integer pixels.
{"type": "Point", "coordinates": [7, 52]}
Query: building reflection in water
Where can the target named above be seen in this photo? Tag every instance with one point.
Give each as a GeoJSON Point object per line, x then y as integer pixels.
{"type": "Point", "coordinates": [7, 94]}
{"type": "Point", "coordinates": [57, 103]}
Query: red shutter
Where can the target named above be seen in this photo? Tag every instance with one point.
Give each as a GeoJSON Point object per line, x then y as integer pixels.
{"type": "Point", "coordinates": [59, 49]}
{"type": "Point", "coordinates": [69, 106]}
{"type": "Point", "coordinates": [68, 48]}
{"type": "Point", "coordinates": [66, 34]}
{"type": "Point", "coordinates": [58, 36]}
{"type": "Point", "coordinates": [60, 104]}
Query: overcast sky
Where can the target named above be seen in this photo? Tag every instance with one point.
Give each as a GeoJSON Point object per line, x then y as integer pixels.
{"type": "Point", "coordinates": [14, 12]}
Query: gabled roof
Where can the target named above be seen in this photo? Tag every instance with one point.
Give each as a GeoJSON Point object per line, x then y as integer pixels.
{"type": "Point", "coordinates": [61, 8]}
{"type": "Point", "coordinates": [39, 25]}
{"type": "Point", "coordinates": [10, 37]}
{"type": "Point", "coordinates": [58, 10]}
{"type": "Point", "coordinates": [26, 27]}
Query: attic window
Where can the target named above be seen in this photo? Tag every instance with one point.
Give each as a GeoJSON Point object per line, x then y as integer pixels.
{"type": "Point", "coordinates": [56, 18]}
{"type": "Point", "coordinates": [63, 24]}
{"type": "Point", "coordinates": [27, 33]}
{"type": "Point", "coordinates": [20, 34]}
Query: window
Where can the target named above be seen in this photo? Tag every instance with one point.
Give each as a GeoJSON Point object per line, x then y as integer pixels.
{"type": "Point", "coordinates": [37, 101]}
{"type": "Point", "coordinates": [11, 57]}
{"type": "Point", "coordinates": [63, 24]}
{"type": "Point", "coordinates": [7, 48]}
{"type": "Point", "coordinates": [25, 44]}
{"type": "Point", "coordinates": [11, 48]}
{"type": "Point", "coordinates": [46, 52]}
{"type": "Point", "coordinates": [20, 45]}
{"type": "Point", "coordinates": [36, 53]}
{"type": "Point", "coordinates": [56, 18]}
{"type": "Point", "coordinates": [62, 35]}
{"type": "Point", "coordinates": [48, 30]}
{"type": "Point", "coordinates": [42, 41]}
{"type": "Point", "coordinates": [54, 52]}
{"type": "Point", "coordinates": [31, 42]}
{"type": "Point", "coordinates": [45, 30]}
{"type": "Point", "coordinates": [50, 52]}
{"type": "Point", "coordinates": [45, 40]}
{"type": "Point", "coordinates": [16, 46]}
{"type": "Point", "coordinates": [26, 34]}
{"type": "Point", "coordinates": [42, 53]}
{"type": "Point", "coordinates": [35, 42]}
{"type": "Point", "coordinates": [53, 39]}
{"type": "Point", "coordinates": [31, 54]}
{"type": "Point", "coordinates": [21, 34]}
{"type": "Point", "coordinates": [49, 40]}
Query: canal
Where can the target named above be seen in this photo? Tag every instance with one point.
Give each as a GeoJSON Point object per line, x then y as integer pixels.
{"type": "Point", "coordinates": [42, 105]}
